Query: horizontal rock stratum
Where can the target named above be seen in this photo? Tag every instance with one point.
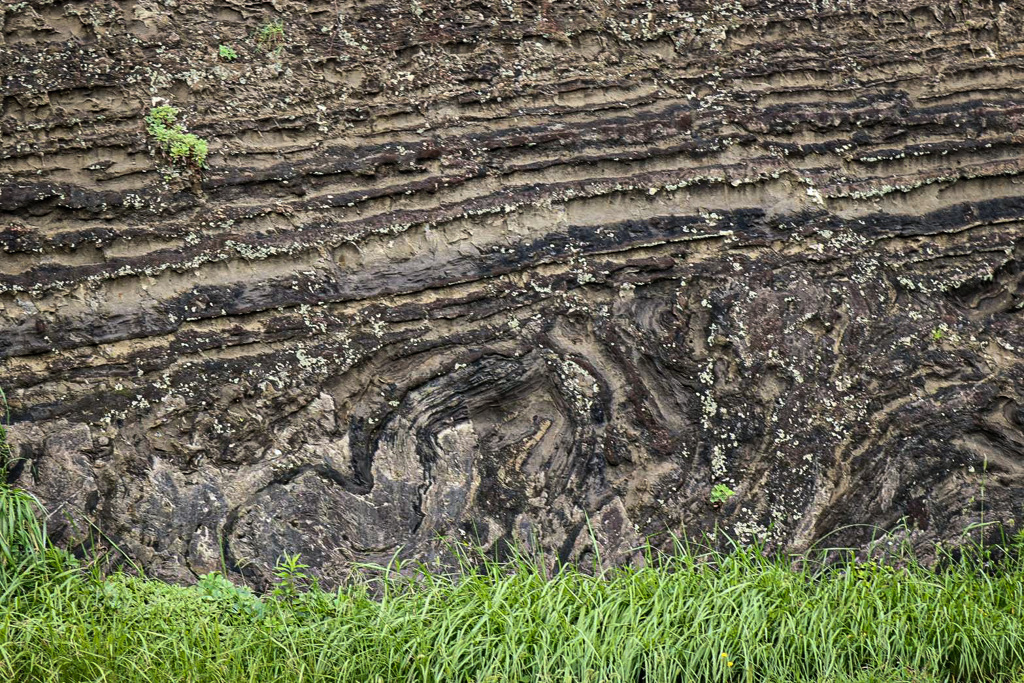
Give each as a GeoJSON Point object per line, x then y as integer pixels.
{"type": "Point", "coordinates": [512, 272]}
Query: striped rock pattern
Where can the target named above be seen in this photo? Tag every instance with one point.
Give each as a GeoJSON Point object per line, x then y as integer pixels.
{"type": "Point", "coordinates": [534, 272]}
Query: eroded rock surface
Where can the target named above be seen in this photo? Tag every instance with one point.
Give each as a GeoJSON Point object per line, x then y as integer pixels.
{"type": "Point", "coordinates": [490, 270]}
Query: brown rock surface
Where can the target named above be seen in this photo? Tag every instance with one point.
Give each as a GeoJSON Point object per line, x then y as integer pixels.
{"type": "Point", "coordinates": [494, 269]}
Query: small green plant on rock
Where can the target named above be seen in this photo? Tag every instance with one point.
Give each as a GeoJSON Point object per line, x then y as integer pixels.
{"type": "Point", "coordinates": [227, 53]}
{"type": "Point", "coordinates": [291, 577]}
{"type": "Point", "coordinates": [183, 148]}
{"type": "Point", "coordinates": [721, 493]}
{"type": "Point", "coordinates": [269, 37]}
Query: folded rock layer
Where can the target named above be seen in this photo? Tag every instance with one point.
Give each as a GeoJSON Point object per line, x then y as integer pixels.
{"type": "Point", "coordinates": [520, 273]}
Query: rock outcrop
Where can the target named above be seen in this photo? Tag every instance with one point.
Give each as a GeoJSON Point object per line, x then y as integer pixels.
{"type": "Point", "coordinates": [512, 272]}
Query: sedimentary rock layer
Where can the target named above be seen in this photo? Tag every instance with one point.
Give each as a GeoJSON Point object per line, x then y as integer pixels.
{"type": "Point", "coordinates": [538, 273]}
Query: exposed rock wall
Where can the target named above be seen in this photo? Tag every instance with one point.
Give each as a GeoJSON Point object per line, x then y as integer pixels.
{"type": "Point", "coordinates": [490, 270]}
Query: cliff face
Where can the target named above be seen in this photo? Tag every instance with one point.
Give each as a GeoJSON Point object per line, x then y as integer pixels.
{"type": "Point", "coordinates": [502, 271]}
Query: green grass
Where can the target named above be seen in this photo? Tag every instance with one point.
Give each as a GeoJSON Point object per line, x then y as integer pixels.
{"type": "Point", "coordinates": [687, 617]}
